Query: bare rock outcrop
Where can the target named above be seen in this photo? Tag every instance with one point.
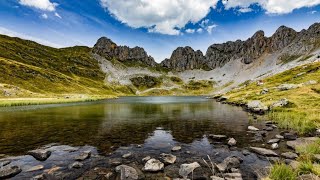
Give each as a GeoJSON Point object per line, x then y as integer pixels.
{"type": "Point", "coordinates": [108, 49]}
{"type": "Point", "coordinates": [184, 58]}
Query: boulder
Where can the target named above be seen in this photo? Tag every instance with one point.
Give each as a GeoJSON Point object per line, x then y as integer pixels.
{"type": "Point", "coordinates": [300, 142]}
{"type": "Point", "coordinates": [285, 87]}
{"type": "Point", "coordinates": [257, 106]}
{"type": "Point", "coordinates": [186, 169]}
{"type": "Point", "coordinates": [289, 155]}
{"type": "Point", "coordinates": [9, 171]}
{"type": "Point", "coordinates": [275, 146]}
{"type": "Point", "coordinates": [127, 172]}
{"type": "Point", "coordinates": [281, 103]}
{"type": "Point", "coordinates": [278, 136]}
{"type": "Point", "coordinates": [176, 148]}
{"type": "Point", "coordinates": [233, 176]}
{"type": "Point", "coordinates": [263, 151]}
{"type": "Point", "coordinates": [153, 165]}
{"type": "Point", "coordinates": [311, 82]}
{"type": "Point", "coordinates": [228, 163]}
{"type": "Point", "coordinates": [218, 137]}
{"type": "Point", "coordinates": [290, 136]}
{"type": "Point", "coordinates": [232, 142]}
{"type": "Point", "coordinates": [127, 155]}
{"type": "Point", "coordinates": [83, 156]}
{"type": "Point", "coordinates": [252, 128]}
{"type": "Point", "coordinates": [271, 141]}
{"type": "Point", "coordinates": [76, 165]}
{"type": "Point", "coordinates": [264, 91]}
{"type": "Point", "coordinates": [4, 163]}
{"type": "Point", "coordinates": [40, 154]}
{"type": "Point", "coordinates": [168, 158]}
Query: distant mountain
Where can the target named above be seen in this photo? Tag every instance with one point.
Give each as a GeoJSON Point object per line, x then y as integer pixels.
{"type": "Point", "coordinates": [285, 41]}
{"type": "Point", "coordinates": [110, 50]}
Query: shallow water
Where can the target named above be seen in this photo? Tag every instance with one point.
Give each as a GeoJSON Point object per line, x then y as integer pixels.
{"type": "Point", "coordinates": [156, 122]}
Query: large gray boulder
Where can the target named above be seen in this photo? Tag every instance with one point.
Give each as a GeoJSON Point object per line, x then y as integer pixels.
{"type": "Point", "coordinates": [153, 165]}
{"type": "Point", "coordinates": [256, 106]}
{"type": "Point", "coordinates": [127, 172]}
{"type": "Point", "coordinates": [186, 169]}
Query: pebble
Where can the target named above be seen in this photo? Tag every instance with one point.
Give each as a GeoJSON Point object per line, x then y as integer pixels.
{"type": "Point", "coordinates": [127, 155]}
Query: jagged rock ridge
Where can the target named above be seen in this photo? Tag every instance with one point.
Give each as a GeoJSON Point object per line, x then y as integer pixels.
{"type": "Point", "coordinates": [107, 48]}
{"type": "Point", "coordinates": [184, 58]}
{"type": "Point", "coordinates": [285, 40]}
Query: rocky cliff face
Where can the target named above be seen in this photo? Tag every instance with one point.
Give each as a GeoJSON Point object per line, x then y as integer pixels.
{"type": "Point", "coordinates": [108, 49]}
{"type": "Point", "coordinates": [285, 40]}
{"type": "Point", "coordinates": [184, 58]}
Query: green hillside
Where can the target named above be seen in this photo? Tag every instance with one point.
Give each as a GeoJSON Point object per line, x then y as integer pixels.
{"type": "Point", "coordinates": [28, 69]}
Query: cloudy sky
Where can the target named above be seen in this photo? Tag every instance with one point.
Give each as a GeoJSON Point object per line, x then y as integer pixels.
{"type": "Point", "coordinates": [157, 25]}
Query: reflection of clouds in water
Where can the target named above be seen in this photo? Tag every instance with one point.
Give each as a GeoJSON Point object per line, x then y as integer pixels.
{"type": "Point", "coordinates": [159, 139]}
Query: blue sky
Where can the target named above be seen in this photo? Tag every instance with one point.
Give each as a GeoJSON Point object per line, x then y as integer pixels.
{"type": "Point", "coordinates": [159, 26]}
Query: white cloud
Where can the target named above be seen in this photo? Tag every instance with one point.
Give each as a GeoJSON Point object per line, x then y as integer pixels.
{"type": "Point", "coordinates": [200, 30]}
{"type": "Point", "coordinates": [44, 16]}
{"type": "Point", "coordinates": [210, 28]}
{"type": "Point", "coordinates": [313, 12]}
{"type": "Point", "coordinates": [190, 31]}
{"type": "Point", "coordinates": [245, 10]}
{"type": "Point", "coordinates": [11, 33]}
{"type": "Point", "coordinates": [44, 5]}
{"type": "Point", "coordinates": [272, 6]}
{"type": "Point", "coordinates": [161, 16]}
{"type": "Point", "coordinates": [57, 15]}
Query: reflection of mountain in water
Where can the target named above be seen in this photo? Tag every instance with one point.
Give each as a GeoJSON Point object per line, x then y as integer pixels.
{"type": "Point", "coordinates": [121, 122]}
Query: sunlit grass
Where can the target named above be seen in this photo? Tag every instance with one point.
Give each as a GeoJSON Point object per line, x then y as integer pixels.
{"type": "Point", "coordinates": [282, 172]}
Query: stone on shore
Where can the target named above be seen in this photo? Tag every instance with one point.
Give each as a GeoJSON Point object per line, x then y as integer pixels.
{"type": "Point", "coordinates": [275, 146]}
{"type": "Point", "coordinates": [232, 142]}
{"type": "Point", "coordinates": [300, 142]}
{"type": "Point", "coordinates": [252, 128]}
{"type": "Point", "coordinates": [233, 176]}
{"type": "Point", "coordinates": [289, 155]}
{"type": "Point", "coordinates": [290, 136]}
{"type": "Point", "coordinates": [168, 158]}
{"type": "Point", "coordinates": [153, 165]}
{"type": "Point", "coordinates": [186, 169]}
{"type": "Point", "coordinates": [263, 151]}
{"type": "Point", "coordinates": [271, 141]}
{"type": "Point", "coordinates": [9, 171]}
{"type": "Point", "coordinates": [40, 154]}
{"type": "Point", "coordinates": [257, 106]}
{"type": "Point", "coordinates": [127, 172]}
{"type": "Point", "coordinates": [76, 165]}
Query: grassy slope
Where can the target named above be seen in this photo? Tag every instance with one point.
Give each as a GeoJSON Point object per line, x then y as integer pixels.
{"type": "Point", "coordinates": [303, 113]}
{"type": "Point", "coordinates": [44, 71]}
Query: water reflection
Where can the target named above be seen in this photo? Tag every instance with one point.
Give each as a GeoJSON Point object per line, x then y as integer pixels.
{"type": "Point", "coordinates": [121, 122]}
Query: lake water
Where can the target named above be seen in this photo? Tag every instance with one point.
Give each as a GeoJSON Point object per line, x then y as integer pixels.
{"type": "Point", "coordinates": [155, 122]}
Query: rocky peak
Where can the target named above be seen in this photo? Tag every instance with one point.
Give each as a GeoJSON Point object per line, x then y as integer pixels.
{"type": "Point", "coordinates": [184, 58]}
{"type": "Point", "coordinates": [108, 49]}
{"type": "Point", "coordinates": [282, 38]}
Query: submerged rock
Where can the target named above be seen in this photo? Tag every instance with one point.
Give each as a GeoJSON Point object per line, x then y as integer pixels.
{"type": "Point", "coordinates": [76, 165]}
{"type": "Point", "coordinates": [40, 154]}
{"type": "Point", "coordinates": [263, 151]}
{"type": "Point", "coordinates": [153, 165]}
{"type": "Point", "coordinates": [228, 163]}
{"type": "Point", "coordinates": [83, 156]}
{"type": "Point", "coordinates": [9, 171]}
{"type": "Point", "coordinates": [127, 172]}
{"type": "Point", "coordinates": [35, 168]}
{"type": "Point", "coordinates": [218, 137]}
{"type": "Point", "coordinates": [127, 155]}
{"type": "Point", "coordinates": [186, 169]}
{"type": "Point", "coordinates": [147, 158]}
{"type": "Point", "coordinates": [176, 148]}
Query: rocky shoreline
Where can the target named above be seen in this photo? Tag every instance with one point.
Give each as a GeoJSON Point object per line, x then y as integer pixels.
{"type": "Point", "coordinates": [225, 161]}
